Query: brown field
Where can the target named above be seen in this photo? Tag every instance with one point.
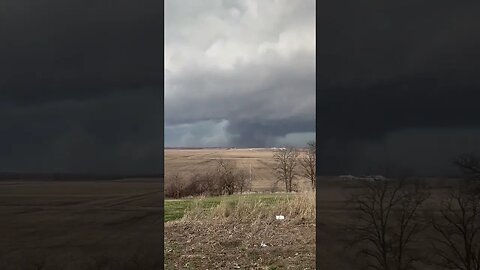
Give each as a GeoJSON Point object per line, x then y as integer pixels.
{"type": "Point", "coordinates": [80, 225]}
{"type": "Point", "coordinates": [191, 161]}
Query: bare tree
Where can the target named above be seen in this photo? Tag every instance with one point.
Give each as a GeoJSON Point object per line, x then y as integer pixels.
{"type": "Point", "coordinates": [469, 164]}
{"type": "Point", "coordinates": [457, 242]}
{"type": "Point", "coordinates": [286, 160]}
{"type": "Point", "coordinates": [387, 224]}
{"type": "Point", "coordinates": [208, 183]}
{"type": "Point", "coordinates": [226, 175]}
{"type": "Point", "coordinates": [175, 185]}
{"type": "Point", "coordinates": [308, 161]}
{"type": "Point", "coordinates": [243, 180]}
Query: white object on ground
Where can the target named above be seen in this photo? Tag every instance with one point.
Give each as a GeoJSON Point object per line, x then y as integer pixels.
{"type": "Point", "coordinates": [280, 217]}
{"type": "Point", "coordinates": [263, 244]}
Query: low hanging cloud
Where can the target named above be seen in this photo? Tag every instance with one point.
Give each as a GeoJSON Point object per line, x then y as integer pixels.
{"type": "Point", "coordinates": [199, 134]}
{"type": "Point", "coordinates": [246, 69]}
{"type": "Point", "coordinates": [296, 138]}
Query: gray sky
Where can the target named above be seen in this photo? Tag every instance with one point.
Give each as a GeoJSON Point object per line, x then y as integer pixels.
{"type": "Point", "coordinates": [239, 73]}
{"type": "Point", "coordinates": [80, 86]}
{"type": "Point", "coordinates": [398, 85]}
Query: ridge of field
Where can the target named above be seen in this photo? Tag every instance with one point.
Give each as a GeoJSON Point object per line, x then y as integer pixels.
{"type": "Point", "coordinates": [188, 162]}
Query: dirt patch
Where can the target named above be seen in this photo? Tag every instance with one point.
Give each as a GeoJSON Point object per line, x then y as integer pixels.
{"type": "Point", "coordinates": [232, 245]}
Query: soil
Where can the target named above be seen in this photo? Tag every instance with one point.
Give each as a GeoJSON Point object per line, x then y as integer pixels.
{"type": "Point", "coordinates": [228, 244]}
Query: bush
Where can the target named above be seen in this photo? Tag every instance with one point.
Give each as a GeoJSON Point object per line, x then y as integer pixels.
{"type": "Point", "coordinates": [225, 179]}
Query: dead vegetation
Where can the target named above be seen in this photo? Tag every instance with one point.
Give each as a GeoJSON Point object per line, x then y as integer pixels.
{"type": "Point", "coordinates": [299, 207]}
{"type": "Point", "coordinates": [225, 179]}
{"type": "Point", "coordinates": [244, 234]}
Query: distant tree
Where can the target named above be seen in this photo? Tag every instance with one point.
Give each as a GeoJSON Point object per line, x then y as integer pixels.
{"type": "Point", "coordinates": [226, 175]}
{"type": "Point", "coordinates": [175, 186]}
{"type": "Point", "coordinates": [308, 161]}
{"type": "Point", "coordinates": [286, 160]}
{"type": "Point", "coordinates": [387, 224]}
{"type": "Point", "coordinates": [230, 178]}
{"type": "Point", "coordinates": [457, 239]}
{"type": "Point", "coordinates": [208, 183]}
{"type": "Point", "coordinates": [243, 180]}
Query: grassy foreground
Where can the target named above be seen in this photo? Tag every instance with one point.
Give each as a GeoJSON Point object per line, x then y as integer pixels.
{"type": "Point", "coordinates": [241, 232]}
{"type": "Point", "coordinates": [176, 209]}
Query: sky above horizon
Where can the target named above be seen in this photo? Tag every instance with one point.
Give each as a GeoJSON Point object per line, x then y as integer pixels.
{"type": "Point", "coordinates": [239, 73]}
{"type": "Point", "coordinates": [398, 85]}
{"type": "Point", "coordinates": [80, 86]}
{"type": "Point", "coordinates": [81, 82]}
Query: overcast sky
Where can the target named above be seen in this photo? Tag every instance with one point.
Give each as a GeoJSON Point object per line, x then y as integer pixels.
{"type": "Point", "coordinates": [398, 85]}
{"type": "Point", "coordinates": [239, 73]}
{"type": "Point", "coordinates": [80, 81]}
{"type": "Point", "coordinates": [80, 86]}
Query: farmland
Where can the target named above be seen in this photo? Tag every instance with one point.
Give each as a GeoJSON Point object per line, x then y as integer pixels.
{"type": "Point", "coordinates": [259, 161]}
{"type": "Point", "coordinates": [80, 224]}
{"type": "Point", "coordinates": [238, 231]}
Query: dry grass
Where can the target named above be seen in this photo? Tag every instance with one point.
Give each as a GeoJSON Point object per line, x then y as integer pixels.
{"type": "Point", "coordinates": [300, 206]}
{"type": "Point", "coordinates": [244, 234]}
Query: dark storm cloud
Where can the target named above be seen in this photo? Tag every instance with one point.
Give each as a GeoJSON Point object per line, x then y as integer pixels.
{"type": "Point", "coordinates": [245, 69]}
{"type": "Point", "coordinates": [80, 86]}
{"type": "Point", "coordinates": [389, 68]}
{"type": "Point", "coordinates": [265, 134]}
{"type": "Point", "coordinates": [264, 91]}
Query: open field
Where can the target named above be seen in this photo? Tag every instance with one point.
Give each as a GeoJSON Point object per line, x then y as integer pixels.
{"type": "Point", "coordinates": [229, 232]}
{"type": "Point", "coordinates": [188, 162]}
{"type": "Point", "coordinates": [80, 225]}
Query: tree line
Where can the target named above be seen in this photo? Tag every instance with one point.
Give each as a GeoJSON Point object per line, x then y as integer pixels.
{"type": "Point", "coordinates": [225, 179]}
